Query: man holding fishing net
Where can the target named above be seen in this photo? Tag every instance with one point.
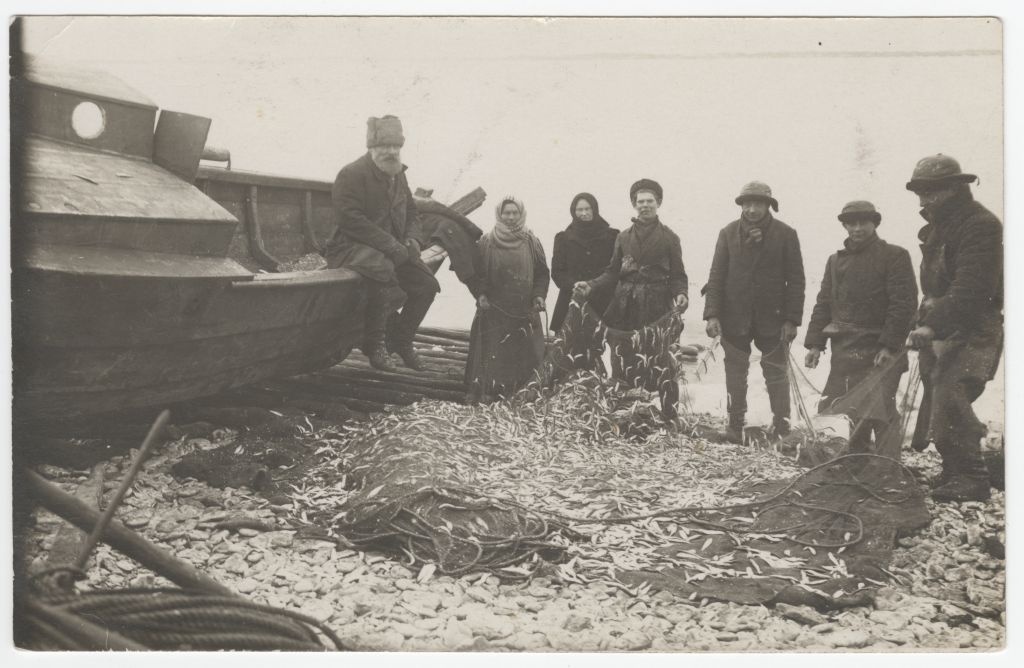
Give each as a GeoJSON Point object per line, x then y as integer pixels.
{"type": "Point", "coordinates": [378, 236]}
{"type": "Point", "coordinates": [959, 332]}
{"type": "Point", "coordinates": [644, 317]}
{"type": "Point", "coordinates": [755, 294]}
{"type": "Point", "coordinates": [865, 309]}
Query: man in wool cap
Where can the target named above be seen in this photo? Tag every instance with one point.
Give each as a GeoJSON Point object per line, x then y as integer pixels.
{"type": "Point", "coordinates": [755, 294]}
{"type": "Point", "coordinates": [865, 309]}
{"type": "Point", "coordinates": [378, 236]}
{"type": "Point", "coordinates": [959, 333]}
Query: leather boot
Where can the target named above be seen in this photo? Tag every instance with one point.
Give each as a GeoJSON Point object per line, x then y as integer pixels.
{"type": "Point", "coordinates": [964, 476]}
{"type": "Point", "coordinates": [734, 432]}
{"type": "Point", "coordinates": [409, 356]}
{"type": "Point", "coordinates": [963, 487]}
{"type": "Point", "coordinates": [379, 359]}
{"type": "Point", "coordinates": [780, 427]}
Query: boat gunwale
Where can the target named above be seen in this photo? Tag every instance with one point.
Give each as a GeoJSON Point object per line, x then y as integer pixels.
{"type": "Point", "coordinates": [252, 178]}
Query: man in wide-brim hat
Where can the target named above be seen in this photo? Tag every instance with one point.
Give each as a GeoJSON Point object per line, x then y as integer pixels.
{"type": "Point", "coordinates": [755, 294]}
{"type": "Point", "coordinates": [864, 311]}
{"type": "Point", "coordinates": [959, 329]}
{"type": "Point", "coordinates": [378, 236]}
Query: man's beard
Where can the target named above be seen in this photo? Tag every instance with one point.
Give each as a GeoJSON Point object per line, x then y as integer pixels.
{"type": "Point", "coordinates": [390, 166]}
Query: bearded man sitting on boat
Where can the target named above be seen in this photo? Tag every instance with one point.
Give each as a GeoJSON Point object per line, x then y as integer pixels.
{"type": "Point", "coordinates": [378, 236]}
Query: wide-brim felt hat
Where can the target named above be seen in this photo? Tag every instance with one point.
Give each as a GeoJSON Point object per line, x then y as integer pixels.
{"type": "Point", "coordinates": [757, 190]}
{"type": "Point", "coordinates": [937, 171]}
{"type": "Point", "coordinates": [858, 210]}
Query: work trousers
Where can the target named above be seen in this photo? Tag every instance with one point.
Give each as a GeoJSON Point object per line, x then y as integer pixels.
{"type": "Point", "coordinates": [417, 283]}
{"type": "Point", "coordinates": [737, 368]}
{"type": "Point", "coordinates": [954, 373]}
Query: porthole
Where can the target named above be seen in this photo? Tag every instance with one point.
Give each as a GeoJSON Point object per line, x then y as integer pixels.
{"type": "Point", "coordinates": [87, 120]}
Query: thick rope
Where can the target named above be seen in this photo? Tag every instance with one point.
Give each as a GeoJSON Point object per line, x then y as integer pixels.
{"type": "Point", "coordinates": [174, 619]}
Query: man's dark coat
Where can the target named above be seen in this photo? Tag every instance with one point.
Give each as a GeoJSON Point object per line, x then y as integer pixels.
{"type": "Point", "coordinates": [875, 292]}
{"type": "Point", "coordinates": [375, 219]}
{"type": "Point", "coordinates": [755, 287]}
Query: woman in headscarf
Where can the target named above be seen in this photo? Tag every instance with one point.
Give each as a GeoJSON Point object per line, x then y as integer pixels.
{"type": "Point", "coordinates": [581, 252]}
{"type": "Point", "coordinates": [507, 339]}
{"type": "Point", "coordinates": [650, 283]}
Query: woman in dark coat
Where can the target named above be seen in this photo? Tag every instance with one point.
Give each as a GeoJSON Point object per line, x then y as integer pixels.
{"type": "Point", "coordinates": [650, 282]}
{"type": "Point", "coordinates": [506, 343]}
{"type": "Point", "coordinates": [581, 252]}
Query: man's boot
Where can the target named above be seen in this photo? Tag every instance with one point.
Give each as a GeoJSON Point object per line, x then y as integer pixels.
{"type": "Point", "coordinates": [378, 356]}
{"type": "Point", "coordinates": [780, 427]}
{"type": "Point", "coordinates": [409, 356]}
{"type": "Point", "coordinates": [967, 479]}
{"type": "Point", "coordinates": [734, 432]}
{"type": "Point", "coordinates": [964, 487]}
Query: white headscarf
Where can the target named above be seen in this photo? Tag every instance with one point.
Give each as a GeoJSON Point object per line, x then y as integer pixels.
{"type": "Point", "coordinates": [508, 233]}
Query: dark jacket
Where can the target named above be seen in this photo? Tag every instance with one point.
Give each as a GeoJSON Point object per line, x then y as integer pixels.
{"type": "Point", "coordinates": [872, 289]}
{"type": "Point", "coordinates": [756, 286]}
{"type": "Point", "coordinates": [375, 218]}
{"type": "Point", "coordinates": [961, 267]}
{"type": "Point", "coordinates": [578, 258]}
{"type": "Point", "coordinates": [647, 273]}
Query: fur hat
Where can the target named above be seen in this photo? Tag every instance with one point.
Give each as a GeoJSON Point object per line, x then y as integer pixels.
{"type": "Point", "coordinates": [649, 185]}
{"type": "Point", "coordinates": [384, 131]}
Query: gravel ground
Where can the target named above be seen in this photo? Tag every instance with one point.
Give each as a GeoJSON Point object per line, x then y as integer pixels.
{"type": "Point", "coordinates": [949, 595]}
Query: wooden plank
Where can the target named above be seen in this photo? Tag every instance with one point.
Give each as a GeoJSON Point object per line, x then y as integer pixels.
{"type": "Point", "coordinates": [455, 334]}
{"type": "Point", "coordinates": [120, 538]}
{"type": "Point", "coordinates": [308, 232]}
{"type": "Point", "coordinates": [469, 202]}
{"type": "Point", "coordinates": [241, 176]}
{"type": "Point", "coordinates": [95, 83]}
{"type": "Point", "coordinates": [178, 142]}
{"type": "Point", "coordinates": [252, 223]}
{"type": "Point", "coordinates": [74, 181]}
{"type": "Point", "coordinates": [352, 370]}
{"type": "Point", "coordinates": [340, 378]}
{"type": "Point", "coordinates": [68, 540]}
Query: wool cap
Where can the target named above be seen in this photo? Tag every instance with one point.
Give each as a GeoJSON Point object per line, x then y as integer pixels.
{"type": "Point", "coordinates": [649, 185]}
{"type": "Point", "coordinates": [384, 131]}
{"type": "Point", "coordinates": [859, 209]}
{"type": "Point", "coordinates": [757, 190]}
{"type": "Point", "coordinates": [937, 171]}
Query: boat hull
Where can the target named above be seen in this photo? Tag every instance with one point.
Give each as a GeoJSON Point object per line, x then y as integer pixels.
{"type": "Point", "coordinates": [96, 332]}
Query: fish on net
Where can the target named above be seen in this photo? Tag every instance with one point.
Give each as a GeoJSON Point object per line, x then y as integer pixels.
{"type": "Point", "coordinates": [861, 406]}
{"type": "Point", "coordinates": [644, 361]}
{"type": "Point", "coordinates": [824, 538]}
{"type": "Point", "coordinates": [412, 503]}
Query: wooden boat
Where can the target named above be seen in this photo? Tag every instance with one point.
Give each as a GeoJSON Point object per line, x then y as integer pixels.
{"type": "Point", "coordinates": [131, 287]}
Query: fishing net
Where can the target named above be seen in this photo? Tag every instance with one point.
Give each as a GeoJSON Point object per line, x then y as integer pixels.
{"type": "Point", "coordinates": [824, 538]}
{"type": "Point", "coordinates": [411, 503]}
{"type": "Point", "coordinates": [643, 361]}
{"type": "Point", "coordinates": [168, 619]}
{"type": "Point", "coordinates": [862, 411]}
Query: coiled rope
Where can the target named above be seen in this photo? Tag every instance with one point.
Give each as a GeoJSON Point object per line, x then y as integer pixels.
{"type": "Point", "coordinates": [174, 619]}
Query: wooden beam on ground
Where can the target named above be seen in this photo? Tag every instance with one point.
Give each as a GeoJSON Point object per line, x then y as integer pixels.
{"type": "Point", "coordinates": [69, 541]}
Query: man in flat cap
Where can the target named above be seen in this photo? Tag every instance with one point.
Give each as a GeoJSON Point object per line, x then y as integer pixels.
{"type": "Point", "coordinates": [959, 331]}
{"type": "Point", "coordinates": [755, 294]}
{"type": "Point", "coordinates": [865, 308]}
{"type": "Point", "coordinates": [378, 236]}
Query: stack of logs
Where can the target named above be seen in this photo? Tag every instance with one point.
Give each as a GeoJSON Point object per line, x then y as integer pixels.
{"type": "Point", "coordinates": [359, 386]}
{"type": "Point", "coordinates": [356, 385]}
